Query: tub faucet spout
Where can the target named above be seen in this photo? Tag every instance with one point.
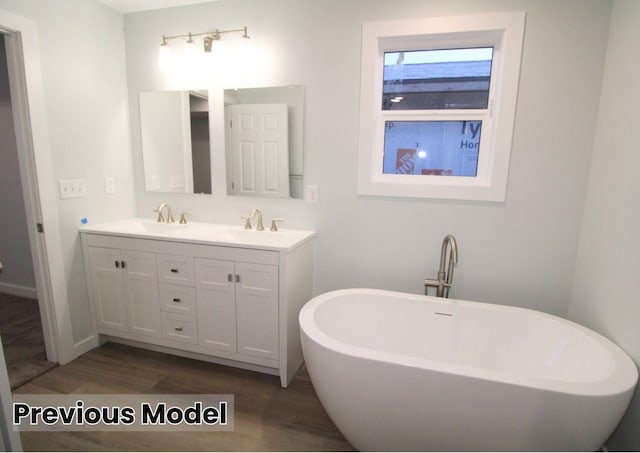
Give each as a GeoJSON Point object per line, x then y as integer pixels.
{"type": "Point", "coordinates": [445, 273]}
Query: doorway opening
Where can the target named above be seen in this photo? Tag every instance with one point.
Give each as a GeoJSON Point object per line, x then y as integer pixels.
{"type": "Point", "coordinates": [28, 109]}
{"type": "Point", "coordinates": [20, 318]}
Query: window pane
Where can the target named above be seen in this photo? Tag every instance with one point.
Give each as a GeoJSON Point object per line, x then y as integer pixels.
{"type": "Point", "coordinates": [437, 79]}
{"type": "Point", "coordinates": [440, 148]}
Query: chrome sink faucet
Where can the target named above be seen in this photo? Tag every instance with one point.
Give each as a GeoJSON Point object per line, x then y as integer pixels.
{"type": "Point", "coordinates": [161, 218]}
{"type": "Point", "coordinates": [445, 277]}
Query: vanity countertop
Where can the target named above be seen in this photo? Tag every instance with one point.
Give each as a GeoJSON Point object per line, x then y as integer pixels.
{"type": "Point", "coordinates": [203, 233]}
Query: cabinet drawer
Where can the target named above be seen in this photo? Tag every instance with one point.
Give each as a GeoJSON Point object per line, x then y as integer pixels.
{"type": "Point", "coordinates": [179, 328]}
{"type": "Point", "coordinates": [177, 299]}
{"type": "Point", "coordinates": [175, 269]}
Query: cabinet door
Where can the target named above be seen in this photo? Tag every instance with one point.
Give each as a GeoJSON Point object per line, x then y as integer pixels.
{"type": "Point", "coordinates": [215, 300]}
{"type": "Point", "coordinates": [257, 309]}
{"type": "Point", "coordinates": [141, 289]}
{"type": "Point", "coordinates": [108, 290]}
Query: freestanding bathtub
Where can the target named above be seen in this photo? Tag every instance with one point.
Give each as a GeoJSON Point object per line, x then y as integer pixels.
{"type": "Point", "coordinates": [396, 371]}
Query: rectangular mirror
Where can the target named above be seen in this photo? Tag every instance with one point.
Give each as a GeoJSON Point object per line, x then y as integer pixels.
{"type": "Point", "coordinates": [264, 141]}
{"type": "Point", "coordinates": [176, 148]}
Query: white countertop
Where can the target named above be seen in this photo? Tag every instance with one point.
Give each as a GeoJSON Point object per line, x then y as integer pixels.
{"type": "Point", "coordinates": [203, 233]}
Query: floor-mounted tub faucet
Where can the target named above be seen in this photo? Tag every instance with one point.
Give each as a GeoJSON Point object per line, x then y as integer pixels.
{"type": "Point", "coordinates": [445, 277]}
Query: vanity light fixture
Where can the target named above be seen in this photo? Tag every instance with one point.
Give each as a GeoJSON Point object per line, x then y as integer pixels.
{"type": "Point", "coordinates": [210, 39]}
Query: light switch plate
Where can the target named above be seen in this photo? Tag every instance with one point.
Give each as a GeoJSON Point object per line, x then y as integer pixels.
{"type": "Point", "coordinates": [72, 188]}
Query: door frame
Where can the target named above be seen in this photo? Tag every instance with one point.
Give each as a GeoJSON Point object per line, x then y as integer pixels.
{"type": "Point", "coordinates": [38, 183]}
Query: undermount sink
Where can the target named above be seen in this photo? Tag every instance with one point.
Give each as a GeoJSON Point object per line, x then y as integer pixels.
{"type": "Point", "coordinates": [205, 233]}
{"type": "Point", "coordinates": [158, 227]}
{"type": "Point", "coordinates": [242, 234]}
{"type": "Point", "coordinates": [142, 226]}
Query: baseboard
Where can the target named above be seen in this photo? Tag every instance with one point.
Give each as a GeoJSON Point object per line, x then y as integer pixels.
{"type": "Point", "coordinates": [192, 355]}
{"type": "Point", "coordinates": [17, 290]}
{"type": "Point", "coordinates": [86, 344]}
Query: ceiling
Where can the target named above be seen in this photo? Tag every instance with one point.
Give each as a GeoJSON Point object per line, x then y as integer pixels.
{"type": "Point", "coordinates": [132, 6]}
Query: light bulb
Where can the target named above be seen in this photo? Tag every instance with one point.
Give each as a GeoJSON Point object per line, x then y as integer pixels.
{"type": "Point", "coordinates": [219, 53]}
{"type": "Point", "coordinates": [165, 56]}
{"type": "Point", "coordinates": [190, 50]}
{"type": "Point", "coordinates": [217, 46]}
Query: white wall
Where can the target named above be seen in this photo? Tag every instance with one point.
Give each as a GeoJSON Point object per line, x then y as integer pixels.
{"type": "Point", "coordinates": [84, 78]}
{"type": "Point", "coordinates": [606, 286]}
{"type": "Point", "coordinates": [519, 252]}
{"type": "Point", "coordinates": [15, 252]}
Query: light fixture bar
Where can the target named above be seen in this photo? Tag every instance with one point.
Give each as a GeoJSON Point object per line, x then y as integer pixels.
{"type": "Point", "coordinates": [209, 37]}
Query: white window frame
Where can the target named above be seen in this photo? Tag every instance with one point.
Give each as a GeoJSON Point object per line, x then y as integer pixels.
{"type": "Point", "coordinates": [504, 32]}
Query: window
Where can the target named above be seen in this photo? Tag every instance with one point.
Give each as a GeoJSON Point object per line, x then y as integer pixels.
{"type": "Point", "coordinates": [442, 148]}
{"type": "Point", "coordinates": [445, 79]}
{"type": "Point", "coordinates": [437, 106]}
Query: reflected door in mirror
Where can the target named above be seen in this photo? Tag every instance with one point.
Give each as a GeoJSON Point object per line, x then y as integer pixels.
{"type": "Point", "coordinates": [260, 149]}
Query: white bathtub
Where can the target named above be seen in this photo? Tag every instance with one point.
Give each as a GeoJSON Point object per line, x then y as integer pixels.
{"type": "Point", "coordinates": [396, 371]}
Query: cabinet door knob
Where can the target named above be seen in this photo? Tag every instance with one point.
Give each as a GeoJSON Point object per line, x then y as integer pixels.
{"type": "Point", "coordinates": [230, 277]}
{"type": "Point", "coordinates": [175, 271]}
{"type": "Point", "coordinates": [237, 278]}
{"type": "Point", "coordinates": [176, 299]}
{"type": "Point", "coordinates": [118, 264]}
{"type": "Point", "coordinates": [123, 264]}
{"type": "Point", "coordinates": [178, 329]}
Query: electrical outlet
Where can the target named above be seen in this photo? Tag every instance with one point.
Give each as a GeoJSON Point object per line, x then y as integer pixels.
{"type": "Point", "coordinates": [312, 194]}
{"type": "Point", "coordinates": [109, 185]}
{"type": "Point", "coordinates": [72, 188]}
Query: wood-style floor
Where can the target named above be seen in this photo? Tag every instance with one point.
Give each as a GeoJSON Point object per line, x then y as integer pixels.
{"type": "Point", "coordinates": [22, 339]}
{"type": "Point", "coordinates": [267, 417]}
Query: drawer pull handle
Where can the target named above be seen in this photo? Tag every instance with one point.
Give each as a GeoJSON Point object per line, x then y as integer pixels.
{"type": "Point", "coordinates": [177, 300]}
{"type": "Point", "coordinates": [175, 271]}
{"type": "Point", "coordinates": [178, 329]}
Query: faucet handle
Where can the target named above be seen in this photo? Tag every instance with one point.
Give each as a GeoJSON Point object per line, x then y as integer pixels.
{"type": "Point", "coordinates": [274, 227]}
{"type": "Point", "coordinates": [247, 223]}
{"type": "Point", "coordinates": [160, 218]}
{"type": "Point", "coordinates": [183, 218]}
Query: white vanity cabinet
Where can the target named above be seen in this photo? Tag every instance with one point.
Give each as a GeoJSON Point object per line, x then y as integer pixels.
{"type": "Point", "coordinates": [239, 301]}
{"type": "Point", "coordinates": [126, 290]}
{"type": "Point", "coordinates": [235, 304]}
